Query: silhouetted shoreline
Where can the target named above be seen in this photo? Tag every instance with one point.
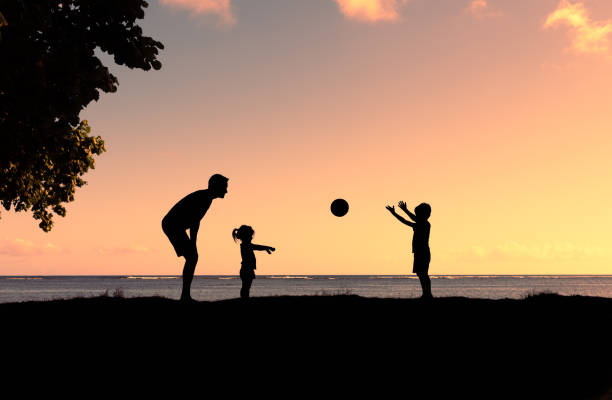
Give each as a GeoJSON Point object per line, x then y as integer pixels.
{"type": "Point", "coordinates": [546, 345]}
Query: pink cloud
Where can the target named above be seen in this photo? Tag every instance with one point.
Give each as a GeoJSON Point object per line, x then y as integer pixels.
{"type": "Point", "coordinates": [587, 36]}
{"type": "Point", "coordinates": [482, 9]}
{"type": "Point", "coordinates": [222, 8]}
{"type": "Point", "coordinates": [20, 247]}
{"type": "Point", "coordinates": [371, 10]}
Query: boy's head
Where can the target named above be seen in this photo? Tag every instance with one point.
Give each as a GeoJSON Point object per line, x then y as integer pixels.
{"type": "Point", "coordinates": [217, 185]}
{"type": "Point", "coordinates": [423, 211]}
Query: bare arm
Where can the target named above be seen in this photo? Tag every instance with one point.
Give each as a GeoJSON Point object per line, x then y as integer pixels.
{"type": "Point", "coordinates": [402, 205]}
{"type": "Point", "coordinates": [193, 231]}
{"type": "Point", "coordinates": [262, 248]}
{"type": "Point", "coordinates": [399, 217]}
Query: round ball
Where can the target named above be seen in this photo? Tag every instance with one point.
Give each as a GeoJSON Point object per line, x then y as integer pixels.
{"type": "Point", "coordinates": [339, 207]}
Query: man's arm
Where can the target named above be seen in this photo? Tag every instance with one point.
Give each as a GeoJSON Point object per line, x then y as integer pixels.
{"type": "Point", "coordinates": [402, 205]}
{"type": "Point", "coordinates": [193, 231]}
{"type": "Point", "coordinates": [262, 247]}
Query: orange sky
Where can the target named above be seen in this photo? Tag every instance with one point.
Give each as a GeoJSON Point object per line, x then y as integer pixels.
{"type": "Point", "coordinates": [496, 114]}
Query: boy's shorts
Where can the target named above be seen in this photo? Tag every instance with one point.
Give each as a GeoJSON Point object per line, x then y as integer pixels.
{"type": "Point", "coordinates": [421, 262]}
{"type": "Point", "coordinates": [178, 238]}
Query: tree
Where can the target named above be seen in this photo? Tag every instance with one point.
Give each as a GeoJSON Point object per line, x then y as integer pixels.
{"type": "Point", "coordinates": [49, 73]}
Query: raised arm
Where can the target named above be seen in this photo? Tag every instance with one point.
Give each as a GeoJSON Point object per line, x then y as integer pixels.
{"type": "Point", "coordinates": [399, 217]}
{"type": "Point", "coordinates": [262, 248]}
{"type": "Point", "coordinates": [402, 205]}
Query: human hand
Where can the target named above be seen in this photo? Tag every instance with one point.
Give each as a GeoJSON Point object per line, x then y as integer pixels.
{"type": "Point", "coordinates": [269, 250]}
{"type": "Point", "coordinates": [391, 208]}
{"type": "Point", "coordinates": [402, 205]}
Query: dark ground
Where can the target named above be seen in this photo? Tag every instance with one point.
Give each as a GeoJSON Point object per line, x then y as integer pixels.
{"type": "Point", "coordinates": [545, 346]}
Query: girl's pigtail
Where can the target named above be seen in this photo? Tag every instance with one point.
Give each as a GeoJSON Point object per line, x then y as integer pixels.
{"type": "Point", "coordinates": [235, 234]}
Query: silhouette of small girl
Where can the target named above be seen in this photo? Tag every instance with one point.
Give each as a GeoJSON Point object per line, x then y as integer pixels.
{"type": "Point", "coordinates": [247, 271]}
{"type": "Point", "coordinates": [420, 242]}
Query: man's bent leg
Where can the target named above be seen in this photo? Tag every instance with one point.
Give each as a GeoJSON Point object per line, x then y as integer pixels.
{"type": "Point", "coordinates": [191, 260]}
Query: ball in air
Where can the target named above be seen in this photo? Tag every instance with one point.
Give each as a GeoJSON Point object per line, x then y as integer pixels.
{"type": "Point", "coordinates": [339, 207]}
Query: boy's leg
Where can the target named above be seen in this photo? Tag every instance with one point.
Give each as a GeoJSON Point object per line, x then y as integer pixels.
{"type": "Point", "coordinates": [421, 268]}
{"type": "Point", "coordinates": [425, 285]}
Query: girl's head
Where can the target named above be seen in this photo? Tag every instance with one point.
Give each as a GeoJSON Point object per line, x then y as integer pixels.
{"type": "Point", "coordinates": [244, 233]}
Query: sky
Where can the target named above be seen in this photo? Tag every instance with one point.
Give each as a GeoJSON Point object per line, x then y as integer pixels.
{"type": "Point", "coordinates": [496, 113]}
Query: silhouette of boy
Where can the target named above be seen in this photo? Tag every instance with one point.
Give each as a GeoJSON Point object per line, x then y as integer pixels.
{"type": "Point", "coordinates": [420, 242]}
{"type": "Point", "coordinates": [186, 214]}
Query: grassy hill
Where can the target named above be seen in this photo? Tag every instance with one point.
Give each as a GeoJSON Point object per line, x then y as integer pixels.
{"type": "Point", "coordinates": [543, 346]}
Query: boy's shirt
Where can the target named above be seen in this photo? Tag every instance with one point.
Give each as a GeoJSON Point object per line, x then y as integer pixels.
{"type": "Point", "coordinates": [420, 239]}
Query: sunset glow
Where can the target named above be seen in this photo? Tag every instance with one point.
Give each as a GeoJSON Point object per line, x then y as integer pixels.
{"type": "Point", "coordinates": [492, 121]}
{"type": "Point", "coordinates": [370, 10]}
{"type": "Point", "coordinates": [222, 8]}
{"type": "Point", "coordinates": [482, 9]}
{"type": "Point", "coordinates": [587, 36]}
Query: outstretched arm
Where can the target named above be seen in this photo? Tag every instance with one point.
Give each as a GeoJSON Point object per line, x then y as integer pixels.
{"type": "Point", "coordinates": [399, 217]}
{"type": "Point", "coordinates": [402, 205]}
{"type": "Point", "coordinates": [262, 248]}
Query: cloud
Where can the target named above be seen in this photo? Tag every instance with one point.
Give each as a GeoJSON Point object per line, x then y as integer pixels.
{"type": "Point", "coordinates": [371, 10]}
{"type": "Point", "coordinates": [481, 9]}
{"type": "Point", "coordinates": [587, 36]}
{"type": "Point", "coordinates": [222, 8]}
{"type": "Point", "coordinates": [20, 247]}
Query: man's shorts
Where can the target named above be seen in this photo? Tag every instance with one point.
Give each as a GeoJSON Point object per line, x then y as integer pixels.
{"type": "Point", "coordinates": [421, 262]}
{"type": "Point", "coordinates": [178, 237]}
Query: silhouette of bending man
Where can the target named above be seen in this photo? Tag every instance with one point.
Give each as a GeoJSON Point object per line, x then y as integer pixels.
{"type": "Point", "coordinates": [186, 214]}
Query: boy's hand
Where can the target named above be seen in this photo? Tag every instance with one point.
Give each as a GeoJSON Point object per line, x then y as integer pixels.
{"type": "Point", "coordinates": [391, 208]}
{"type": "Point", "coordinates": [402, 205]}
{"type": "Point", "coordinates": [269, 250]}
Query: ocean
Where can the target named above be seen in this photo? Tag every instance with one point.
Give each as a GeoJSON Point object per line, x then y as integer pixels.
{"type": "Point", "coordinates": [210, 288]}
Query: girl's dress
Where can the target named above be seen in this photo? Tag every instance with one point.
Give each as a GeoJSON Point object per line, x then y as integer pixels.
{"type": "Point", "coordinates": [247, 270]}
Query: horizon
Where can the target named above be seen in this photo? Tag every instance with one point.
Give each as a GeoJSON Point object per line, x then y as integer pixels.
{"type": "Point", "coordinates": [496, 113]}
{"type": "Point", "coordinates": [293, 276]}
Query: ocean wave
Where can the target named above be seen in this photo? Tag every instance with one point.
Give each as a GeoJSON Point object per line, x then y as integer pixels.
{"type": "Point", "coordinates": [24, 278]}
{"type": "Point", "coordinates": [289, 277]}
{"type": "Point", "coordinates": [227, 277]}
{"type": "Point", "coordinates": [392, 277]}
{"type": "Point", "coordinates": [150, 277]}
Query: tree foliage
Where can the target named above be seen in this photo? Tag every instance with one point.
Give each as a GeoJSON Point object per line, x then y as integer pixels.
{"type": "Point", "coordinates": [49, 73]}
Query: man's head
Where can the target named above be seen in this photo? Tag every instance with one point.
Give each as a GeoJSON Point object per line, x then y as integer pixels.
{"type": "Point", "coordinates": [217, 185]}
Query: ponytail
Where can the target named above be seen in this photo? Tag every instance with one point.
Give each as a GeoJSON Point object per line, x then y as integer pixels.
{"type": "Point", "coordinates": [243, 232]}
